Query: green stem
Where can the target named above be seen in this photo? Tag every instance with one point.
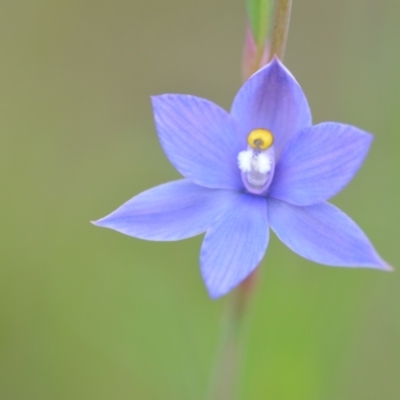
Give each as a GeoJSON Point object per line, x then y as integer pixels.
{"type": "Point", "coordinates": [281, 28]}
{"type": "Point", "coordinates": [225, 383]}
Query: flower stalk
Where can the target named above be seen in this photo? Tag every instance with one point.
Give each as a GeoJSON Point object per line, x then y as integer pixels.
{"type": "Point", "coordinates": [225, 385]}
{"type": "Point", "coordinates": [280, 28]}
{"type": "Point", "coordinates": [259, 51]}
{"type": "Point", "coordinates": [226, 382]}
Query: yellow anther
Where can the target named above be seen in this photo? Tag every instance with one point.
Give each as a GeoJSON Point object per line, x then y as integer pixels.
{"type": "Point", "coordinates": [260, 139]}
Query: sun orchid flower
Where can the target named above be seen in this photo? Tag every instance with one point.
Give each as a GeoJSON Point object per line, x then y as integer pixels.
{"type": "Point", "coordinates": [263, 165]}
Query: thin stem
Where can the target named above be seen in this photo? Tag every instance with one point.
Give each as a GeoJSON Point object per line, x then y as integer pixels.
{"type": "Point", "coordinates": [280, 28]}
{"type": "Point", "coordinates": [256, 56]}
{"type": "Point", "coordinates": [225, 383]}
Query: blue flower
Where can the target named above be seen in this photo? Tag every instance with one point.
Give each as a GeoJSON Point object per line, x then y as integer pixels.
{"type": "Point", "coordinates": [263, 165]}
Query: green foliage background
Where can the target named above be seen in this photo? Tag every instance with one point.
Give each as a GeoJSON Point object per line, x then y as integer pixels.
{"type": "Point", "coordinates": [87, 313]}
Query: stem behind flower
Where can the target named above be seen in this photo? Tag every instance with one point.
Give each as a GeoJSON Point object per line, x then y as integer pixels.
{"type": "Point", "coordinates": [225, 383]}
{"type": "Point", "coordinates": [281, 28]}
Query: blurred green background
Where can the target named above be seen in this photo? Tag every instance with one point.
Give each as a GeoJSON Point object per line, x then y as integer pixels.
{"type": "Point", "coordinates": [86, 313]}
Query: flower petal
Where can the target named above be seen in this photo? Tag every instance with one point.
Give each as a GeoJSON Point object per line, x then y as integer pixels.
{"type": "Point", "coordinates": [172, 211]}
{"type": "Point", "coordinates": [235, 244]}
{"type": "Point", "coordinates": [200, 139]}
{"type": "Point", "coordinates": [324, 234]}
{"type": "Point", "coordinates": [319, 162]}
{"type": "Point", "coordinates": [273, 100]}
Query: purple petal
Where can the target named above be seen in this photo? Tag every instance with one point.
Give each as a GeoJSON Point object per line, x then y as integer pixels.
{"type": "Point", "coordinates": [319, 162]}
{"type": "Point", "coordinates": [200, 139]}
{"type": "Point", "coordinates": [324, 234]}
{"type": "Point", "coordinates": [235, 244]}
{"type": "Point", "coordinates": [172, 211]}
{"type": "Point", "coordinates": [273, 100]}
